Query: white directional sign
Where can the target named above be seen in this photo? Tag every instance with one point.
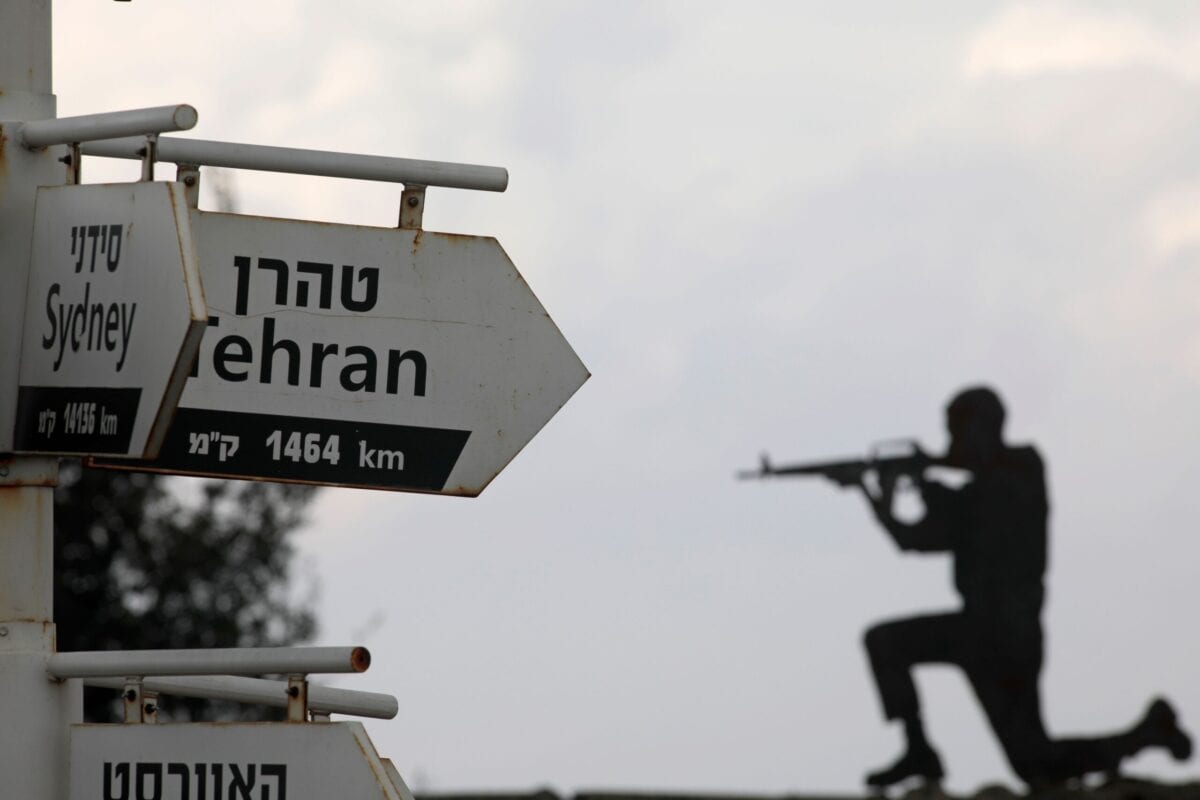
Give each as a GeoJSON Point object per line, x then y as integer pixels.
{"type": "Point", "coordinates": [114, 314]}
{"type": "Point", "coordinates": [374, 357]}
{"type": "Point", "coordinates": [235, 761]}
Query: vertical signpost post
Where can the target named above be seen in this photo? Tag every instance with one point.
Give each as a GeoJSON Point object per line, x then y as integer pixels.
{"type": "Point", "coordinates": [332, 354]}
{"type": "Point", "coordinates": [36, 711]}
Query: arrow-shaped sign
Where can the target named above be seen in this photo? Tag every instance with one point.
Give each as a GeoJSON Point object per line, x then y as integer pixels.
{"type": "Point", "coordinates": [371, 357]}
{"type": "Point", "coordinates": [271, 761]}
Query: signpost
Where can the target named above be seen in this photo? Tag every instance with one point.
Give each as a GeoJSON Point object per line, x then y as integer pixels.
{"type": "Point", "coordinates": [114, 314]}
{"type": "Point", "coordinates": [370, 357]}
{"type": "Point", "coordinates": [33, 763]}
{"type": "Point", "coordinates": [333, 354]}
{"type": "Point", "coordinates": [263, 761]}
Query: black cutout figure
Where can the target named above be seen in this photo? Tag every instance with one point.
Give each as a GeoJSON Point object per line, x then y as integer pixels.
{"type": "Point", "coordinates": [995, 527]}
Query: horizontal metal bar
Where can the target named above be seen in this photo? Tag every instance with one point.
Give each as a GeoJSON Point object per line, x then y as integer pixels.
{"type": "Point", "coordinates": [310, 162]}
{"type": "Point", "coordinates": [321, 699]}
{"type": "Point", "coordinates": [89, 127]}
{"type": "Point", "coordinates": [216, 661]}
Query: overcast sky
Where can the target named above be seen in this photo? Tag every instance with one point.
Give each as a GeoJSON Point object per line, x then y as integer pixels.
{"type": "Point", "coordinates": [793, 226]}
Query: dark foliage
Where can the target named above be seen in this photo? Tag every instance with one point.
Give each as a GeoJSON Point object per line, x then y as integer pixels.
{"type": "Point", "coordinates": [142, 563]}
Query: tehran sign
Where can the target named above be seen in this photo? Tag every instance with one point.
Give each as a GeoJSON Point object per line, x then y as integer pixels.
{"type": "Point", "coordinates": [373, 357]}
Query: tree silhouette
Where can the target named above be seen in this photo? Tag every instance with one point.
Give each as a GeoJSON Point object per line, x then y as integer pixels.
{"type": "Point", "coordinates": [141, 563]}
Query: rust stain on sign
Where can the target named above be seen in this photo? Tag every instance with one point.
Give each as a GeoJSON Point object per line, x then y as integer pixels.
{"type": "Point", "coordinates": [381, 781]}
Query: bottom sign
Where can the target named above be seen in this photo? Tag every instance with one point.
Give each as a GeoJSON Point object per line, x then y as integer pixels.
{"type": "Point", "coordinates": [238, 761]}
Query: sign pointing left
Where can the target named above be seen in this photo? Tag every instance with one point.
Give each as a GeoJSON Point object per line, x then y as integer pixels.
{"type": "Point", "coordinates": [114, 314]}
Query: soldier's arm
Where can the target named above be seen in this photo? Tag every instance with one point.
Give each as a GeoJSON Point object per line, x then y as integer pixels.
{"type": "Point", "coordinates": [933, 532]}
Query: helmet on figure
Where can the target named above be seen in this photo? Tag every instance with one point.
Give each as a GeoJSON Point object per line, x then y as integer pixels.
{"type": "Point", "coordinates": [975, 422]}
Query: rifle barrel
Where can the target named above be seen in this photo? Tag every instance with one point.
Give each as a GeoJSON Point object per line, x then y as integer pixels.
{"type": "Point", "coordinates": [915, 461]}
{"type": "Point", "coordinates": [819, 467]}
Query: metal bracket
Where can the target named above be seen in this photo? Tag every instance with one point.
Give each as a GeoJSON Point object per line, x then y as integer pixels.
{"type": "Point", "coordinates": [149, 706]}
{"type": "Point", "coordinates": [189, 176]}
{"type": "Point", "coordinates": [133, 699]}
{"type": "Point", "coordinates": [28, 471]}
{"type": "Point", "coordinates": [412, 206]}
{"type": "Point", "coordinates": [149, 155]}
{"type": "Point", "coordinates": [297, 692]}
{"type": "Point", "coordinates": [74, 161]}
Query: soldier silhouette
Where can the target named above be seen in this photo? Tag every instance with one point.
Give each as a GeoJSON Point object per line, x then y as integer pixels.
{"type": "Point", "coordinates": [995, 528]}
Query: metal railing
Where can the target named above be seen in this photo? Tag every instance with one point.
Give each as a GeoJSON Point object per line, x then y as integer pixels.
{"type": "Point", "coordinates": [215, 661]}
{"type": "Point", "coordinates": [322, 700]}
{"type": "Point", "coordinates": [142, 675]}
{"type": "Point", "coordinates": [134, 134]}
{"type": "Point", "coordinates": [135, 122]}
{"type": "Point", "coordinates": [327, 163]}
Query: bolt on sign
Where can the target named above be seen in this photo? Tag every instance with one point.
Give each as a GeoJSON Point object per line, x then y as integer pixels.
{"type": "Point", "coordinates": [371, 357]}
{"type": "Point", "coordinates": [242, 761]}
{"type": "Point", "coordinates": [114, 315]}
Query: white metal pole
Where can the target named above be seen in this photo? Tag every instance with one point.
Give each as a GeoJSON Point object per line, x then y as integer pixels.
{"type": "Point", "coordinates": [25, 57]}
{"type": "Point", "coordinates": [24, 95]}
{"type": "Point", "coordinates": [214, 661]}
{"type": "Point", "coordinates": [35, 711]}
{"type": "Point", "coordinates": [109, 125]}
{"type": "Point", "coordinates": [259, 691]}
{"type": "Point", "coordinates": [202, 152]}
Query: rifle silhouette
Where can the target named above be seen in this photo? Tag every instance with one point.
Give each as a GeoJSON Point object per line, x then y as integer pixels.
{"type": "Point", "coordinates": [849, 472]}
